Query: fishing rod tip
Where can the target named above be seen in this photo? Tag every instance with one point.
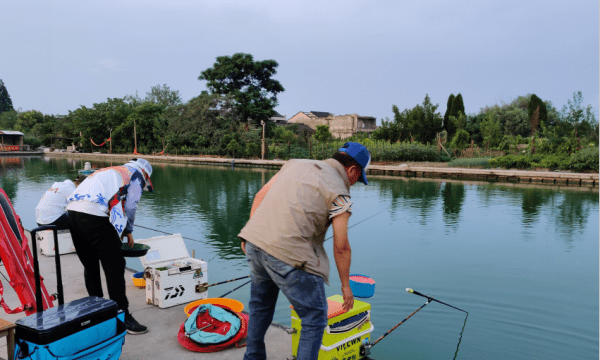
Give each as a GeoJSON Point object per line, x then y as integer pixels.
{"type": "Point", "coordinates": [409, 290]}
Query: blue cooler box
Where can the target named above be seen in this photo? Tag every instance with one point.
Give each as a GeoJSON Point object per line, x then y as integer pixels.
{"type": "Point", "coordinates": [88, 328]}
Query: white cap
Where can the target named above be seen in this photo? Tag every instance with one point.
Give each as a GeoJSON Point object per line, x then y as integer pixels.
{"type": "Point", "coordinates": [146, 169]}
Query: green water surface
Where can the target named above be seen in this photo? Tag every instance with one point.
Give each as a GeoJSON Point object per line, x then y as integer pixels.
{"type": "Point", "coordinates": [522, 260]}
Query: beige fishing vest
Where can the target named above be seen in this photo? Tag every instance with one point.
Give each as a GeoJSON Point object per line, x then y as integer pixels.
{"type": "Point", "coordinates": [291, 221]}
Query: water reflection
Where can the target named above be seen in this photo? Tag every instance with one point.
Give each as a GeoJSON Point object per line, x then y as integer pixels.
{"type": "Point", "coordinates": [216, 201]}
{"type": "Point", "coordinates": [453, 195]}
{"type": "Point", "coordinates": [212, 203]}
{"type": "Point", "coordinates": [420, 197]}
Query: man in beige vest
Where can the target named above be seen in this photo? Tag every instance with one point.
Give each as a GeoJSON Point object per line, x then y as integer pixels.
{"type": "Point", "coordinates": [283, 242]}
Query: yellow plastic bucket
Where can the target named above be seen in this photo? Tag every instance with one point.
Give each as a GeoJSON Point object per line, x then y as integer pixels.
{"type": "Point", "coordinates": [230, 303]}
{"type": "Point", "coordinates": [138, 279]}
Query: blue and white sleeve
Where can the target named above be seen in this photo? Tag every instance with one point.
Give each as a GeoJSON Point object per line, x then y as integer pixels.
{"type": "Point", "coordinates": [134, 194]}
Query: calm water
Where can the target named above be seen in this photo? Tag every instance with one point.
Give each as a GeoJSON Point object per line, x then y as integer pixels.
{"type": "Point", "coordinates": [522, 260]}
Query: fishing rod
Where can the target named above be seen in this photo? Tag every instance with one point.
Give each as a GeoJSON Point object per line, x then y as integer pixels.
{"type": "Point", "coordinates": [431, 298]}
{"type": "Point", "coordinates": [229, 292]}
{"type": "Point", "coordinates": [366, 349]}
{"type": "Point", "coordinates": [205, 286]}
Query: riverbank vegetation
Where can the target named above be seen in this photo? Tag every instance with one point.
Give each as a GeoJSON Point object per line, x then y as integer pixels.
{"type": "Point", "coordinates": [227, 120]}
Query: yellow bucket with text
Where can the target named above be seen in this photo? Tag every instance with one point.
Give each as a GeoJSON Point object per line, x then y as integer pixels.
{"type": "Point", "coordinates": [344, 333]}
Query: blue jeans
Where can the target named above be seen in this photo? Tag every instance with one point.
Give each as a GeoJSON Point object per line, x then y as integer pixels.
{"type": "Point", "coordinates": [306, 293]}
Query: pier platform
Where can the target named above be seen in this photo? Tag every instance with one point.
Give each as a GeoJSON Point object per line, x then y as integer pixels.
{"type": "Point", "coordinates": [160, 342]}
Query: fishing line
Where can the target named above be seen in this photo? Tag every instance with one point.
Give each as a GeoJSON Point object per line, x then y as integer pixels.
{"type": "Point", "coordinates": [164, 232]}
{"type": "Point", "coordinates": [365, 349]}
{"type": "Point", "coordinates": [460, 338]}
{"type": "Point", "coordinates": [362, 221]}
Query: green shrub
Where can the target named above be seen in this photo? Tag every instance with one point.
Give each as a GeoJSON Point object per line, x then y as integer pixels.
{"type": "Point", "coordinates": [585, 159]}
{"type": "Point", "coordinates": [481, 163]}
{"type": "Point", "coordinates": [525, 161]}
{"type": "Point", "coordinates": [32, 141]}
{"type": "Point", "coordinates": [553, 162]}
{"type": "Point", "coordinates": [460, 140]}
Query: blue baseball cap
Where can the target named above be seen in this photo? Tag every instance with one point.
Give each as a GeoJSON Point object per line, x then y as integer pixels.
{"type": "Point", "coordinates": [361, 155]}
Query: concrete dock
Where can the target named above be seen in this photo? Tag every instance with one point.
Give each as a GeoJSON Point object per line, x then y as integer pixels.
{"type": "Point", "coordinates": [555, 178]}
{"type": "Point", "coordinates": [160, 342]}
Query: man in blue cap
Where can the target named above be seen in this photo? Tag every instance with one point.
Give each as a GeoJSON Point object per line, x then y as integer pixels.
{"type": "Point", "coordinates": [283, 242]}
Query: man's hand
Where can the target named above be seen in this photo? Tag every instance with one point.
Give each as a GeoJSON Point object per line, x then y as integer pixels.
{"type": "Point", "coordinates": [348, 298]}
{"type": "Point", "coordinates": [243, 245]}
{"type": "Point", "coordinates": [129, 239]}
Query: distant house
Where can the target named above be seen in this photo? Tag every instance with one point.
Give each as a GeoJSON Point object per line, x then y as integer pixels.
{"type": "Point", "coordinates": [340, 126]}
{"type": "Point", "coordinates": [278, 118]}
{"type": "Point", "coordinates": [11, 140]}
{"type": "Point", "coordinates": [308, 115]}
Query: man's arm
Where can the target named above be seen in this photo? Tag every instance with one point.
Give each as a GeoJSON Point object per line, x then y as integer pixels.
{"type": "Point", "coordinates": [343, 256]}
{"type": "Point", "coordinates": [260, 195]}
{"type": "Point", "coordinates": [134, 194]}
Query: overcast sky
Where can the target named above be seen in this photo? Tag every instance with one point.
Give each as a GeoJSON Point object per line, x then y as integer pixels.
{"type": "Point", "coordinates": [342, 57]}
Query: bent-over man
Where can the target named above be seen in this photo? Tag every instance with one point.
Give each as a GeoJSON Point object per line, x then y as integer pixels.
{"type": "Point", "coordinates": [283, 242]}
{"type": "Point", "coordinates": [101, 213]}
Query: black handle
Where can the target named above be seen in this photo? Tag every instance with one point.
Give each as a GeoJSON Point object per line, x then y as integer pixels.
{"type": "Point", "coordinates": [36, 267]}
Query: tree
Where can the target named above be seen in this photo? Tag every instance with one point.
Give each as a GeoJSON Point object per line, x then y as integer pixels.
{"type": "Point", "coordinates": [27, 120]}
{"type": "Point", "coordinates": [322, 134]}
{"type": "Point", "coordinates": [448, 109]}
{"type": "Point", "coordinates": [457, 105]}
{"type": "Point", "coordinates": [287, 136]}
{"type": "Point", "coordinates": [8, 120]}
{"type": "Point", "coordinates": [389, 130]}
{"type": "Point", "coordinates": [248, 82]}
{"type": "Point", "coordinates": [537, 103]}
{"type": "Point", "coordinates": [163, 96]}
{"type": "Point", "coordinates": [5, 101]}
{"type": "Point", "coordinates": [420, 123]}
{"type": "Point", "coordinates": [456, 109]}
{"type": "Point", "coordinates": [460, 140]}
{"type": "Point", "coordinates": [581, 119]}
{"type": "Point", "coordinates": [490, 130]}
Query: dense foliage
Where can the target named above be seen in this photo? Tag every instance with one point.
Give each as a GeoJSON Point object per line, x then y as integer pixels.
{"type": "Point", "coordinates": [421, 124]}
{"type": "Point", "coordinates": [526, 133]}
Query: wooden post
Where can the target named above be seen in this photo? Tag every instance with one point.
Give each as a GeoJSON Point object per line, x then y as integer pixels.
{"type": "Point", "coordinates": [263, 149]}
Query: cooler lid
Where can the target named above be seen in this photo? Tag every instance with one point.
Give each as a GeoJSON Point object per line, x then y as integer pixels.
{"type": "Point", "coordinates": [65, 319]}
{"type": "Point", "coordinates": [164, 248]}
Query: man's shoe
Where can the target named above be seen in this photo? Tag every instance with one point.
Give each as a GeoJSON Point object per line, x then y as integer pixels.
{"type": "Point", "coordinates": [134, 327]}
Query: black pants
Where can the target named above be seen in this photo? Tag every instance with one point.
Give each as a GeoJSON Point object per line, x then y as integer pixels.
{"type": "Point", "coordinates": [62, 223]}
{"type": "Point", "coordinates": [95, 241]}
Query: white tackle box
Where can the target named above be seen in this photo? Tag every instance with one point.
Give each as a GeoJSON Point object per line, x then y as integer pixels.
{"type": "Point", "coordinates": [45, 241]}
{"type": "Point", "coordinates": [172, 276]}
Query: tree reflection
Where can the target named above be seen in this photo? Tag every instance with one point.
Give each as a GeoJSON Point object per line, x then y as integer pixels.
{"type": "Point", "coordinates": [210, 201]}
{"type": "Point", "coordinates": [453, 196]}
{"type": "Point", "coordinates": [533, 200]}
{"type": "Point", "coordinates": [417, 196]}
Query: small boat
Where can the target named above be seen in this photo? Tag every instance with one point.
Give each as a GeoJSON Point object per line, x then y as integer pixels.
{"type": "Point", "coordinates": [87, 169]}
